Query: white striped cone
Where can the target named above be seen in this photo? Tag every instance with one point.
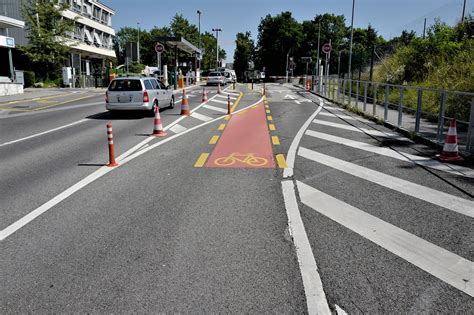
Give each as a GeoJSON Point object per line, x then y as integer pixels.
{"type": "Point", "coordinates": [218, 88]}
{"type": "Point", "coordinates": [185, 105]}
{"type": "Point", "coordinates": [110, 140]}
{"type": "Point", "coordinates": [157, 126]}
{"type": "Point", "coordinates": [450, 148]}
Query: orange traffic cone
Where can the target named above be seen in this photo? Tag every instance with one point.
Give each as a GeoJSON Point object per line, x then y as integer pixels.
{"type": "Point", "coordinates": [110, 139]}
{"type": "Point", "coordinates": [185, 105]}
{"type": "Point", "coordinates": [228, 104]}
{"type": "Point", "coordinates": [204, 95]}
{"type": "Point", "coordinates": [450, 148]}
{"type": "Point", "coordinates": [157, 126]}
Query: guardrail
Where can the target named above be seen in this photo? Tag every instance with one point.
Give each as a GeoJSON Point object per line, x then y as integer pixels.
{"type": "Point", "coordinates": [425, 112]}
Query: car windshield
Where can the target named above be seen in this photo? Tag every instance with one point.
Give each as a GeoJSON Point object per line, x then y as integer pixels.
{"type": "Point", "coordinates": [215, 74]}
{"type": "Point", "coordinates": [125, 85]}
{"type": "Point", "coordinates": [227, 74]}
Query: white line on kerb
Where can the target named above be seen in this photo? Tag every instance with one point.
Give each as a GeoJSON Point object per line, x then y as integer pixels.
{"type": "Point", "coordinates": [123, 159]}
{"type": "Point", "coordinates": [444, 265]}
{"type": "Point", "coordinates": [313, 287]}
{"type": "Point", "coordinates": [433, 196]}
{"type": "Point", "coordinates": [290, 157]}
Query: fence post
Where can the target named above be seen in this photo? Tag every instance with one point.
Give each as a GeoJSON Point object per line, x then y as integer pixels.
{"type": "Point", "coordinates": [338, 96]}
{"type": "Point", "coordinates": [365, 95]}
{"type": "Point", "coordinates": [374, 101]}
{"type": "Point", "coordinates": [400, 107]}
{"type": "Point", "coordinates": [350, 93]}
{"type": "Point", "coordinates": [418, 110]}
{"type": "Point", "coordinates": [357, 94]}
{"type": "Point", "coordinates": [470, 132]}
{"type": "Point", "coordinates": [385, 104]}
{"type": "Point", "coordinates": [343, 90]}
{"type": "Point", "coordinates": [442, 109]}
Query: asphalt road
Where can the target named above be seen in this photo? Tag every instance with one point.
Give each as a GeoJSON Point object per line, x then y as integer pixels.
{"type": "Point", "coordinates": [158, 234]}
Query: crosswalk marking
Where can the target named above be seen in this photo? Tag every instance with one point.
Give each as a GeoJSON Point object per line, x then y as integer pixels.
{"type": "Point", "coordinates": [221, 102]}
{"type": "Point", "coordinates": [454, 203]}
{"type": "Point", "coordinates": [420, 160]}
{"type": "Point", "coordinates": [200, 116]}
{"type": "Point", "coordinates": [444, 265]}
{"type": "Point", "coordinates": [371, 132]}
{"type": "Point", "coordinates": [178, 128]}
{"type": "Point", "coordinates": [217, 109]}
{"type": "Point", "coordinates": [338, 116]}
{"type": "Point", "coordinates": [231, 93]}
{"type": "Point", "coordinates": [225, 96]}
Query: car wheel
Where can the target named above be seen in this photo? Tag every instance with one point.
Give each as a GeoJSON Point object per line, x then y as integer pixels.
{"type": "Point", "coordinates": [172, 102]}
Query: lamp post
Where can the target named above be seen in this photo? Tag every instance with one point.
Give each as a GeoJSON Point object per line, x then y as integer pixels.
{"type": "Point", "coordinates": [217, 30]}
{"type": "Point", "coordinates": [199, 14]}
{"type": "Point", "coordinates": [138, 44]}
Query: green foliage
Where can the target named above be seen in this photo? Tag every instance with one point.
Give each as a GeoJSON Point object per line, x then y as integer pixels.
{"type": "Point", "coordinates": [179, 26]}
{"type": "Point", "coordinates": [244, 52]}
{"type": "Point", "coordinates": [47, 32]}
{"type": "Point", "coordinates": [29, 78]}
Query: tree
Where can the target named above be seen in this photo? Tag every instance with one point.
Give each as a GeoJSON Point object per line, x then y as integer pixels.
{"type": "Point", "coordinates": [209, 44]}
{"type": "Point", "coordinates": [48, 34]}
{"type": "Point", "coordinates": [276, 37]}
{"type": "Point", "coordinates": [244, 52]}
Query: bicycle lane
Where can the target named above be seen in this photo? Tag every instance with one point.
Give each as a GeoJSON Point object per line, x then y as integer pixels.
{"type": "Point", "coordinates": [245, 141]}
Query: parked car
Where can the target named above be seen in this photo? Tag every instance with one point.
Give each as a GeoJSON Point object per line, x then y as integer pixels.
{"type": "Point", "coordinates": [138, 93]}
{"type": "Point", "coordinates": [215, 78]}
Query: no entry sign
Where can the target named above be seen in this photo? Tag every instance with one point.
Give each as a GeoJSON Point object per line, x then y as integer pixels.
{"type": "Point", "coordinates": [159, 48]}
{"type": "Point", "coordinates": [327, 48]}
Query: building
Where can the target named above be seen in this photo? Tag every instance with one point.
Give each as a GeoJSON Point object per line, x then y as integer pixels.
{"type": "Point", "coordinates": [9, 84]}
{"type": "Point", "coordinates": [91, 40]}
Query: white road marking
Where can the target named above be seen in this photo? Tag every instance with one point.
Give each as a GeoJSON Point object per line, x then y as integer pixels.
{"type": "Point", "coordinates": [436, 197]}
{"type": "Point", "coordinates": [327, 114]}
{"type": "Point", "coordinates": [178, 101]}
{"type": "Point", "coordinates": [225, 96]}
{"type": "Point", "coordinates": [444, 265]}
{"type": "Point", "coordinates": [233, 94]}
{"type": "Point", "coordinates": [221, 102]}
{"type": "Point", "coordinates": [313, 286]}
{"type": "Point", "coordinates": [201, 117]}
{"type": "Point", "coordinates": [44, 132]}
{"type": "Point", "coordinates": [178, 128]}
{"type": "Point", "coordinates": [415, 159]}
{"type": "Point", "coordinates": [290, 156]}
{"type": "Point", "coordinates": [371, 132]}
{"type": "Point", "coordinates": [123, 159]}
{"type": "Point", "coordinates": [217, 109]}
{"type": "Point", "coordinates": [52, 109]}
{"type": "Point", "coordinates": [339, 310]}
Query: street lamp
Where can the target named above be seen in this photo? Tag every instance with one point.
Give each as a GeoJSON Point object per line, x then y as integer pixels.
{"type": "Point", "coordinates": [217, 30]}
{"type": "Point", "coordinates": [199, 14]}
{"type": "Point", "coordinates": [350, 52]}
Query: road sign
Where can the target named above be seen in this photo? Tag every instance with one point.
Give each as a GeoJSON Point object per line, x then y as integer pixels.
{"type": "Point", "coordinates": [159, 48]}
{"type": "Point", "coordinates": [327, 48]}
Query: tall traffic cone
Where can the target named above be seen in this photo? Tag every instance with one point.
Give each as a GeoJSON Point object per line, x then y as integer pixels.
{"type": "Point", "coordinates": [110, 139]}
{"type": "Point", "coordinates": [204, 95]}
{"type": "Point", "coordinates": [450, 148]}
{"type": "Point", "coordinates": [157, 126]}
{"type": "Point", "coordinates": [264, 90]}
{"type": "Point", "coordinates": [218, 88]}
{"type": "Point", "coordinates": [228, 104]}
{"type": "Point", "coordinates": [185, 105]}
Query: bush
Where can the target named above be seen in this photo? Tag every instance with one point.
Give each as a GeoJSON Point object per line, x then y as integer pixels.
{"type": "Point", "coordinates": [29, 78]}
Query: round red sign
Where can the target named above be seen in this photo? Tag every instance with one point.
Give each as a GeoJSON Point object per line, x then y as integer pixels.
{"type": "Point", "coordinates": [327, 48]}
{"type": "Point", "coordinates": [159, 48]}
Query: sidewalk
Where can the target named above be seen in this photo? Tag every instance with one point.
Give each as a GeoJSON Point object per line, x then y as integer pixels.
{"type": "Point", "coordinates": [403, 119]}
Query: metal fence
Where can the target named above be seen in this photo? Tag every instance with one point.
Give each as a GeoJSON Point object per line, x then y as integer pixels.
{"type": "Point", "coordinates": [423, 111]}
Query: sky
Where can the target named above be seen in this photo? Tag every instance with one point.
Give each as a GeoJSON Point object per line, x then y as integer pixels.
{"type": "Point", "coordinates": [388, 17]}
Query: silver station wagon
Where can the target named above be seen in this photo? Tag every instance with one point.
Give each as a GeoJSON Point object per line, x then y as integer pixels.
{"type": "Point", "coordinates": [138, 93]}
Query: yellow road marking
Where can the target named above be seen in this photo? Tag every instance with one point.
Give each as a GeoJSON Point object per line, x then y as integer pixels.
{"type": "Point", "coordinates": [267, 107]}
{"type": "Point", "coordinates": [33, 99]}
{"type": "Point", "coordinates": [221, 127]}
{"type": "Point", "coordinates": [268, 111]}
{"type": "Point", "coordinates": [236, 102]}
{"type": "Point", "coordinates": [201, 160]}
{"type": "Point", "coordinates": [275, 140]}
{"type": "Point", "coordinates": [281, 161]}
{"type": "Point", "coordinates": [271, 127]}
{"type": "Point", "coordinates": [227, 117]}
{"type": "Point", "coordinates": [255, 106]}
{"type": "Point", "coordinates": [15, 110]}
{"type": "Point", "coordinates": [270, 118]}
{"type": "Point", "coordinates": [62, 103]}
{"type": "Point", "coordinates": [214, 140]}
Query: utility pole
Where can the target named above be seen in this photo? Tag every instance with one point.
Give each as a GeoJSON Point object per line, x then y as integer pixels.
{"type": "Point", "coordinates": [138, 44]}
{"type": "Point", "coordinates": [198, 60]}
{"type": "Point", "coordinates": [463, 11]}
{"type": "Point", "coordinates": [372, 63]}
{"type": "Point", "coordinates": [424, 29]}
{"type": "Point", "coordinates": [217, 30]}
{"type": "Point", "coordinates": [350, 52]}
{"type": "Point", "coordinates": [319, 41]}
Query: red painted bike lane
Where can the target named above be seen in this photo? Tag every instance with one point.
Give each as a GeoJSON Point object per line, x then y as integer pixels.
{"type": "Point", "coordinates": [245, 142]}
